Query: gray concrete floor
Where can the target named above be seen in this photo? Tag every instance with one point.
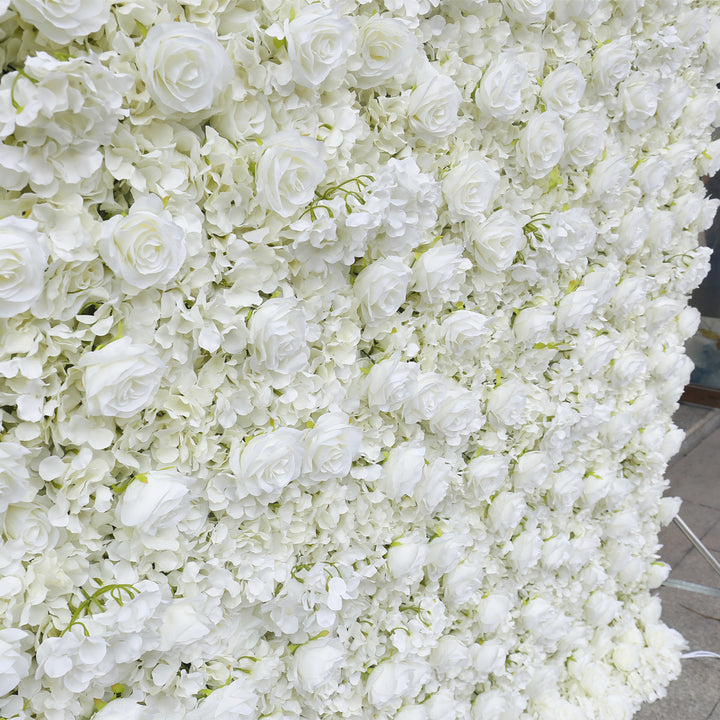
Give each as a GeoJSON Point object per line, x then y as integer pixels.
{"type": "Point", "coordinates": [695, 477]}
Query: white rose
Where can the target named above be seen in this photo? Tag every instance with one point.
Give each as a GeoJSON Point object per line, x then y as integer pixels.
{"type": "Point", "coordinates": [406, 556]}
{"type": "Point", "coordinates": [64, 20]}
{"type": "Point", "coordinates": [392, 680]}
{"type": "Point", "coordinates": [184, 67]}
{"type": "Point", "coordinates": [611, 64]}
{"type": "Point", "coordinates": [317, 42]}
{"type": "Point", "coordinates": [433, 107]}
{"type": "Point", "coordinates": [575, 309]}
{"type": "Point", "coordinates": [446, 551]}
{"type": "Point", "coordinates": [269, 462]}
{"type": "Point", "coordinates": [562, 90]}
{"type": "Point", "coordinates": [154, 500]}
{"type": "Point", "coordinates": [434, 484]}
{"type": "Point", "coordinates": [498, 240]}
{"type": "Point", "coordinates": [14, 661]}
{"type": "Point", "coordinates": [331, 446]}
{"type": "Point", "coordinates": [385, 49]}
{"type": "Point", "coordinates": [457, 416]}
{"type": "Point", "coordinates": [30, 524]}
{"type": "Point", "coordinates": [237, 700]}
{"type": "Point", "coordinates": [121, 378]}
{"type": "Point", "coordinates": [571, 235]}
{"type": "Point", "coordinates": [506, 402]}
{"type": "Point", "coordinates": [500, 91]}
{"type": "Point", "coordinates": [14, 475]}
{"type": "Point", "coordinates": [22, 264]}
{"type": "Point", "coordinates": [610, 176]}
{"type": "Point", "coordinates": [440, 272]}
{"type": "Point", "coordinates": [639, 99]}
{"type": "Point", "coordinates": [277, 340]}
{"type": "Point", "coordinates": [381, 288]}
{"type": "Point", "coordinates": [318, 663]}
{"type": "Point", "coordinates": [145, 248]}
{"type": "Point", "coordinates": [289, 170]}
{"type": "Point", "coordinates": [470, 186]}
{"type": "Point", "coordinates": [486, 474]}
{"type": "Point", "coordinates": [541, 145]}
{"type": "Point", "coordinates": [450, 656]}
{"type": "Point", "coordinates": [533, 324]}
{"type": "Point", "coordinates": [492, 611]}
{"type": "Point", "coordinates": [585, 138]}
{"type": "Point", "coordinates": [464, 332]}
{"type": "Point", "coordinates": [182, 625]}
{"type": "Point", "coordinates": [424, 403]}
{"type": "Point", "coordinates": [652, 175]}
{"type": "Point", "coordinates": [505, 513]}
{"type": "Point", "coordinates": [527, 11]}
{"type": "Point", "coordinates": [402, 470]}
{"type": "Point", "coordinates": [390, 383]}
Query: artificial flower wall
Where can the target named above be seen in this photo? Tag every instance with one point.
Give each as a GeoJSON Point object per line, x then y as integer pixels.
{"type": "Point", "coordinates": [340, 342]}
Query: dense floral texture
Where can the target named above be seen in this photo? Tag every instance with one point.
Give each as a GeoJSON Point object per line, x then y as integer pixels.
{"type": "Point", "coordinates": [340, 342]}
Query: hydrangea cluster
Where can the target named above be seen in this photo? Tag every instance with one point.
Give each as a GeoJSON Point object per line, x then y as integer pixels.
{"type": "Point", "coordinates": [340, 342]}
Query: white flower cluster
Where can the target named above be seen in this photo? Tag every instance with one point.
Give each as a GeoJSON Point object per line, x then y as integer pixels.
{"type": "Point", "coordinates": [340, 342]}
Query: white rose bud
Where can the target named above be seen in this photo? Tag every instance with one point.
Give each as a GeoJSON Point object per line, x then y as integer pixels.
{"type": "Point", "coordinates": [450, 656]}
{"type": "Point", "coordinates": [506, 402]}
{"type": "Point", "coordinates": [22, 265]}
{"type": "Point", "coordinates": [469, 187]}
{"type": "Point", "coordinates": [562, 90]}
{"type": "Point", "coordinates": [289, 170]}
{"type": "Point", "coordinates": [439, 273]}
{"type": "Point", "coordinates": [318, 664]}
{"type": "Point", "coordinates": [277, 340]}
{"type": "Point", "coordinates": [154, 500]}
{"type": "Point", "coordinates": [433, 107]}
{"type": "Point", "coordinates": [639, 99]}
{"type": "Point", "coordinates": [611, 64]}
{"type": "Point", "coordinates": [392, 680]}
{"type": "Point", "coordinates": [381, 288]}
{"type": "Point", "coordinates": [487, 474]}
{"type": "Point", "coordinates": [500, 91]}
{"type": "Point", "coordinates": [533, 324]}
{"type": "Point", "coordinates": [121, 379]}
{"type": "Point", "coordinates": [63, 21]}
{"type": "Point", "coordinates": [317, 42]}
{"type": "Point", "coordinates": [406, 557]}
{"type": "Point", "coordinates": [269, 462]}
{"type": "Point", "coordinates": [145, 248]}
{"type": "Point", "coordinates": [492, 611]}
{"type": "Point", "coordinates": [14, 661]}
{"type": "Point", "coordinates": [527, 12]}
{"type": "Point", "coordinates": [402, 471]}
{"type": "Point", "coordinates": [390, 383]}
{"type": "Point", "coordinates": [331, 446]}
{"type": "Point", "coordinates": [585, 138]}
{"type": "Point", "coordinates": [498, 240]}
{"type": "Point", "coordinates": [184, 67]}
{"type": "Point", "coordinates": [386, 48]}
{"type": "Point", "coordinates": [541, 144]}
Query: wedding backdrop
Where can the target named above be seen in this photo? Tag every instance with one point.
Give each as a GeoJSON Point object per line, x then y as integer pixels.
{"type": "Point", "coordinates": [340, 344]}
